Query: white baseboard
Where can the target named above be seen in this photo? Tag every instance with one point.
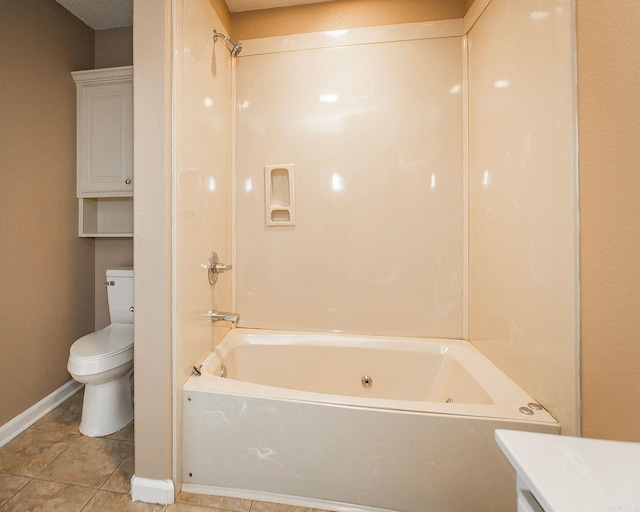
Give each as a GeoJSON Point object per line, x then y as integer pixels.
{"type": "Point", "coordinates": [24, 420]}
{"type": "Point", "coordinates": [150, 490]}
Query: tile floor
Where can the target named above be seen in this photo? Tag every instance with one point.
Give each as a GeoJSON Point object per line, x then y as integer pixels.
{"type": "Point", "coordinates": [51, 467]}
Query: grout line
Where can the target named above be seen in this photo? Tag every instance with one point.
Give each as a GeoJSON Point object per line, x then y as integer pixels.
{"type": "Point", "coordinates": [5, 472]}
{"type": "Point", "coordinates": [89, 500]}
{"type": "Point", "coordinates": [65, 483]}
{"type": "Point", "coordinates": [18, 491]}
{"type": "Point", "coordinates": [52, 460]}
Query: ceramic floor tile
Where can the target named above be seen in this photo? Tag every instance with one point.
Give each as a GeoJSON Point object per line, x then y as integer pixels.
{"type": "Point", "coordinates": [219, 502]}
{"type": "Point", "coordinates": [120, 479]}
{"type": "Point", "coordinates": [10, 485]}
{"type": "Point", "coordinates": [105, 501]}
{"type": "Point", "coordinates": [65, 417]}
{"type": "Point", "coordinates": [124, 434]}
{"type": "Point", "coordinates": [32, 450]}
{"type": "Point", "coordinates": [89, 461]}
{"type": "Point", "coordinates": [40, 495]}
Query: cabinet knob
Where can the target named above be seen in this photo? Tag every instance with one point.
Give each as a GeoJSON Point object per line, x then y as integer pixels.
{"type": "Point", "coordinates": [127, 181]}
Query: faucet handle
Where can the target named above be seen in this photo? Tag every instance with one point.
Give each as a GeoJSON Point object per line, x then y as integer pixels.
{"type": "Point", "coordinates": [214, 267]}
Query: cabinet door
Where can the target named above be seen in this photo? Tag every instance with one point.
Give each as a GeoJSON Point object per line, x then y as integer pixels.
{"type": "Point", "coordinates": [105, 142]}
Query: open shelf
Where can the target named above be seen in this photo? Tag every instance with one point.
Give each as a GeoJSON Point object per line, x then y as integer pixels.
{"type": "Point", "coordinates": [105, 217]}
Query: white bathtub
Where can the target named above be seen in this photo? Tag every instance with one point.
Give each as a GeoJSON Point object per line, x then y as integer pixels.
{"type": "Point", "coordinates": [293, 422]}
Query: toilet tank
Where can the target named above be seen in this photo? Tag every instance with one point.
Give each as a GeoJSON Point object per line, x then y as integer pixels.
{"type": "Point", "coordinates": [120, 295]}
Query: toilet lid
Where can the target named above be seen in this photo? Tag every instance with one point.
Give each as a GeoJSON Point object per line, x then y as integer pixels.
{"type": "Point", "coordinates": [111, 340]}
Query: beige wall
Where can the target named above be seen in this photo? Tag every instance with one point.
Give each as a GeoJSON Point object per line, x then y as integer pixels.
{"type": "Point", "coordinates": [341, 14]}
{"type": "Point", "coordinates": [114, 47]}
{"type": "Point", "coordinates": [46, 276]}
{"type": "Point", "coordinates": [609, 141]}
{"type": "Point", "coordinates": [152, 252]}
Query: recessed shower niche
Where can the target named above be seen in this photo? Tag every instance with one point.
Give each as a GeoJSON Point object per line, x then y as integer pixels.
{"type": "Point", "coordinates": [279, 200]}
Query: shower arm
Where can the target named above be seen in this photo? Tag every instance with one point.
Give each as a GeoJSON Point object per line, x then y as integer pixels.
{"type": "Point", "coordinates": [234, 47]}
{"type": "Point", "coordinates": [216, 35]}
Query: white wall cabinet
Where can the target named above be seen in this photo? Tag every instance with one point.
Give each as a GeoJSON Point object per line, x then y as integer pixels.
{"type": "Point", "coordinates": [105, 151]}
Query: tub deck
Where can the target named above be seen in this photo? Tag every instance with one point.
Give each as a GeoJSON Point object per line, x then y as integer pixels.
{"type": "Point", "coordinates": [421, 375]}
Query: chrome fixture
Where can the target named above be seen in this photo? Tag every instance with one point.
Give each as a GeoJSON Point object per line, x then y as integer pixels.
{"type": "Point", "coordinates": [216, 316]}
{"type": "Point", "coordinates": [235, 47]}
{"type": "Point", "coordinates": [530, 408]}
{"type": "Point", "coordinates": [367, 381]}
{"type": "Point", "coordinates": [197, 371]}
{"type": "Point", "coordinates": [223, 371]}
{"type": "Point", "coordinates": [214, 267]}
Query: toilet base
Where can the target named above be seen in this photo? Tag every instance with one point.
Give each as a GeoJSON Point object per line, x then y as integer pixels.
{"type": "Point", "coordinates": [107, 407]}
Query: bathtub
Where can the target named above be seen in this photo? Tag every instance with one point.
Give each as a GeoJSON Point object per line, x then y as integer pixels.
{"type": "Point", "coordinates": [353, 423]}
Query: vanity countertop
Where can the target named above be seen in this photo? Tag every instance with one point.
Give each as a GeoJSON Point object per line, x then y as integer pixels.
{"type": "Point", "coordinates": [570, 474]}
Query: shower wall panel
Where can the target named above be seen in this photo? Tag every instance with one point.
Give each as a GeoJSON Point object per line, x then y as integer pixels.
{"type": "Point", "coordinates": [202, 186]}
{"type": "Point", "coordinates": [202, 180]}
{"type": "Point", "coordinates": [522, 198]}
{"type": "Point", "coordinates": [375, 132]}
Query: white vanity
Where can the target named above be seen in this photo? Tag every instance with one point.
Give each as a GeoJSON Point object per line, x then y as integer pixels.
{"type": "Point", "coordinates": [572, 474]}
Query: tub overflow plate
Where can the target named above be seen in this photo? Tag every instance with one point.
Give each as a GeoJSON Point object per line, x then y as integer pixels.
{"type": "Point", "coordinates": [367, 381]}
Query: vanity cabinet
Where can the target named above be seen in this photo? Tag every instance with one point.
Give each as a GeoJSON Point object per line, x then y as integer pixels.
{"type": "Point", "coordinates": [567, 474]}
{"type": "Point", "coordinates": [105, 151]}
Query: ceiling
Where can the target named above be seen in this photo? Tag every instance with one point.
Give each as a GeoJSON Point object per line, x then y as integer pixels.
{"type": "Point", "coordinates": [101, 14]}
{"type": "Point", "coordinates": [104, 14]}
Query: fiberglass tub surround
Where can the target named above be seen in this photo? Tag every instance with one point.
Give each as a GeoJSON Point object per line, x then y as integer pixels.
{"type": "Point", "coordinates": [386, 231]}
{"type": "Point", "coordinates": [379, 423]}
{"type": "Point", "coordinates": [388, 220]}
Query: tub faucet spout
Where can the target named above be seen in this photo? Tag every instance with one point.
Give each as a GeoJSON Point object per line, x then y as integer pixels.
{"type": "Point", "coordinates": [215, 316]}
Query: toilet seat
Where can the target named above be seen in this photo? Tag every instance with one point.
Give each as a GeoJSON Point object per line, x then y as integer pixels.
{"type": "Point", "coordinates": [101, 351]}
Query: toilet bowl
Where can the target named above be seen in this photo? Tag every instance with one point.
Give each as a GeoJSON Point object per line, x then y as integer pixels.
{"type": "Point", "coordinates": [103, 362]}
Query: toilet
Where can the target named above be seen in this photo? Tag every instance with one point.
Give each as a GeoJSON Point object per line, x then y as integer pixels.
{"type": "Point", "coordinates": [103, 362]}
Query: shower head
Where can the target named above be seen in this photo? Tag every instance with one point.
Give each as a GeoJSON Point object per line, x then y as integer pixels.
{"type": "Point", "coordinates": [235, 47]}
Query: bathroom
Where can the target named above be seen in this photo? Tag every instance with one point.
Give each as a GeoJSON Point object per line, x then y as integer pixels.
{"type": "Point", "coordinates": [607, 373]}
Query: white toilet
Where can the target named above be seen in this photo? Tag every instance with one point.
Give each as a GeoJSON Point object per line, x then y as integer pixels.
{"type": "Point", "coordinates": [103, 361]}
